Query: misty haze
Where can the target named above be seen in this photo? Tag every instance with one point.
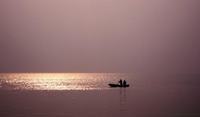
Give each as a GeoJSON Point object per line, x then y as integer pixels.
{"type": "Point", "coordinates": [99, 58]}
{"type": "Point", "coordinates": [99, 36]}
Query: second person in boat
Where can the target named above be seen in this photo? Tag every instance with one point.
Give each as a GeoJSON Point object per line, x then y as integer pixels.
{"type": "Point", "coordinates": [124, 83]}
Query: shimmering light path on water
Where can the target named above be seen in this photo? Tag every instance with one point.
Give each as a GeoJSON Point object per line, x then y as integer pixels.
{"type": "Point", "coordinates": [59, 81]}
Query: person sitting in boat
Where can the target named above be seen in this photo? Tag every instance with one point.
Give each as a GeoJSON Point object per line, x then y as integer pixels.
{"type": "Point", "coordinates": [120, 82]}
{"type": "Point", "coordinates": [124, 83]}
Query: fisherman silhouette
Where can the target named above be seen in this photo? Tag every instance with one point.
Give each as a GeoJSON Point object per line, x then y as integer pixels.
{"type": "Point", "coordinates": [124, 83]}
{"type": "Point", "coordinates": [120, 82]}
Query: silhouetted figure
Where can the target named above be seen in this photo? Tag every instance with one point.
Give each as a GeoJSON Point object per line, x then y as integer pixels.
{"type": "Point", "coordinates": [124, 83]}
{"type": "Point", "coordinates": [120, 82]}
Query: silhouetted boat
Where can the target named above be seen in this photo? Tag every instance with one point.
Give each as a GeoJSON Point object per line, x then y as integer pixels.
{"type": "Point", "coordinates": [117, 85]}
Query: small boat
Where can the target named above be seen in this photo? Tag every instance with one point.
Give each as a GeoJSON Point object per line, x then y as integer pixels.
{"type": "Point", "coordinates": [117, 85]}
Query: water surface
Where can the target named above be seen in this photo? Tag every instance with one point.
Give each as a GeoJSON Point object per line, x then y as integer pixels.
{"type": "Point", "coordinates": [88, 95]}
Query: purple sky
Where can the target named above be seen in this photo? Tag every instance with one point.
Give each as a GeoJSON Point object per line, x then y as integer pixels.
{"type": "Point", "coordinates": [100, 36]}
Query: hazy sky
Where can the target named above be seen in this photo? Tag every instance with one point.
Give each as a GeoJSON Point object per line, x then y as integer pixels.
{"type": "Point", "coordinates": [100, 36]}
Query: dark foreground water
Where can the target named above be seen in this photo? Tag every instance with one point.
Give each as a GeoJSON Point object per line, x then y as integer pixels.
{"type": "Point", "coordinates": [88, 95]}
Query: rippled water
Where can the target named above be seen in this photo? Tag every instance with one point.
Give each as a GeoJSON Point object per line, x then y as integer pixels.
{"type": "Point", "coordinates": [60, 81]}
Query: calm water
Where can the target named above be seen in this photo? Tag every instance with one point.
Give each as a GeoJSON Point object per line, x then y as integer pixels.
{"type": "Point", "coordinates": [88, 95]}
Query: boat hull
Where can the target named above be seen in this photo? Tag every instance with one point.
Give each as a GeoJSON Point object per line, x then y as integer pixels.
{"type": "Point", "coordinates": [117, 85]}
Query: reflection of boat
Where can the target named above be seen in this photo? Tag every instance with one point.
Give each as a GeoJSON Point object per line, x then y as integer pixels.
{"type": "Point", "coordinates": [117, 85]}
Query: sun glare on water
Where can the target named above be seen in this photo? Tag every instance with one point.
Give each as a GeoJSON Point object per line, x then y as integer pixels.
{"type": "Point", "coordinates": [56, 81]}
